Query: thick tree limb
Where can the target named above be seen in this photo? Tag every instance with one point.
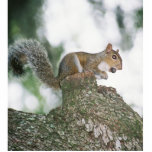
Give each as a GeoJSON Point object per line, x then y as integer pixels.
{"type": "Point", "coordinates": [92, 118]}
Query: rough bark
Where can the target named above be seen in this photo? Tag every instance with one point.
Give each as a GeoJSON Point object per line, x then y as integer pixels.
{"type": "Point", "coordinates": [91, 118]}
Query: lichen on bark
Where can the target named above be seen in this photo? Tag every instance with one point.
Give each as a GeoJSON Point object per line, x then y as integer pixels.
{"type": "Point", "coordinates": [91, 118]}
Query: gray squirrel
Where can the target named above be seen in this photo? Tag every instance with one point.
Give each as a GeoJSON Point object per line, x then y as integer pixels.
{"type": "Point", "coordinates": [33, 53]}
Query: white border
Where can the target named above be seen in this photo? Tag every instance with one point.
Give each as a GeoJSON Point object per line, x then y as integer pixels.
{"type": "Point", "coordinates": [3, 75]}
{"type": "Point", "coordinates": [147, 73]}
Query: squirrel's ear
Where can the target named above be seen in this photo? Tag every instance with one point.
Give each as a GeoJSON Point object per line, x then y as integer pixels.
{"type": "Point", "coordinates": [117, 50]}
{"type": "Point", "coordinates": [109, 47]}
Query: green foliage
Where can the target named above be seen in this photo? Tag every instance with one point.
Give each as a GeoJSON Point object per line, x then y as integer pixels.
{"type": "Point", "coordinates": [98, 6]}
{"type": "Point", "coordinates": [127, 36]}
{"type": "Point", "coordinates": [139, 18]}
{"type": "Point", "coordinates": [24, 19]}
{"type": "Point", "coordinates": [54, 54]}
{"type": "Point", "coordinates": [120, 17]}
{"type": "Point", "coordinates": [32, 84]}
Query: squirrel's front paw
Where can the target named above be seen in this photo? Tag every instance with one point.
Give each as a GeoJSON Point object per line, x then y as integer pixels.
{"type": "Point", "coordinates": [104, 75]}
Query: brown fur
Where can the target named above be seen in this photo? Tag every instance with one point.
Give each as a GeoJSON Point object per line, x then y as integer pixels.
{"type": "Point", "coordinates": [90, 62]}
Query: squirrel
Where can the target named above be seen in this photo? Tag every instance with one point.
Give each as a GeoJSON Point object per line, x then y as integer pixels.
{"type": "Point", "coordinates": [32, 52]}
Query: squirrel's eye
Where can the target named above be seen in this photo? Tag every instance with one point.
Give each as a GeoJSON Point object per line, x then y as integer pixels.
{"type": "Point", "coordinates": [114, 57]}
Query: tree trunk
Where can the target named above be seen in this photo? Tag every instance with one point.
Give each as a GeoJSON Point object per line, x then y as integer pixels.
{"type": "Point", "coordinates": [91, 118]}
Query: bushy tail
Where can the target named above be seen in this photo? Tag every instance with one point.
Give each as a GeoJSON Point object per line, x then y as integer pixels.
{"type": "Point", "coordinates": [33, 53]}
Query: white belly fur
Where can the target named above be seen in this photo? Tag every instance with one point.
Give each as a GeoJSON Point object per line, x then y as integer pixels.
{"type": "Point", "coordinates": [103, 66]}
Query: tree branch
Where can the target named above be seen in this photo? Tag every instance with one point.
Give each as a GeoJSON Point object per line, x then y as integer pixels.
{"type": "Point", "coordinates": [91, 118]}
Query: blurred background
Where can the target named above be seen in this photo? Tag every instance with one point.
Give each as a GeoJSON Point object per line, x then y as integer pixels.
{"type": "Point", "coordinates": [65, 26]}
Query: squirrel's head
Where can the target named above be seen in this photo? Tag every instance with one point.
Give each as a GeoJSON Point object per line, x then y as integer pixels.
{"type": "Point", "coordinates": [112, 59]}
